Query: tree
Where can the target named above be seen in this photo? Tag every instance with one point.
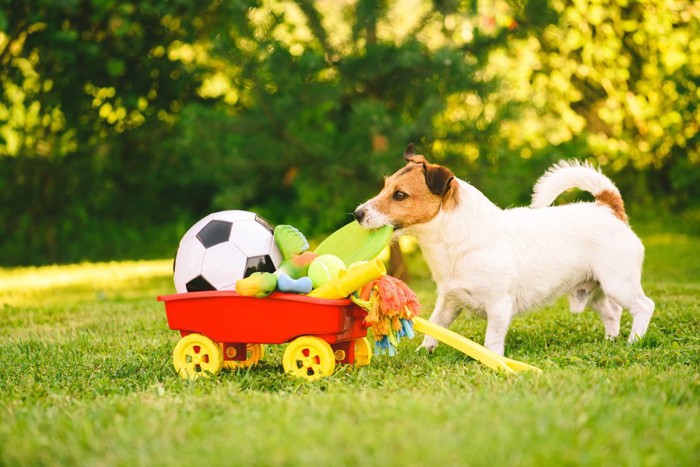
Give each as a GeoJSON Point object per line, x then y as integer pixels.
{"type": "Point", "coordinates": [157, 112]}
{"type": "Point", "coordinates": [321, 114]}
{"type": "Point", "coordinates": [622, 78]}
{"type": "Point", "coordinates": [87, 88]}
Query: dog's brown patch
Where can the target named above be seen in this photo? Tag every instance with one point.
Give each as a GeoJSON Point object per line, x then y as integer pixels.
{"type": "Point", "coordinates": [614, 201]}
{"type": "Point", "coordinates": [451, 199]}
{"type": "Point", "coordinates": [416, 193]}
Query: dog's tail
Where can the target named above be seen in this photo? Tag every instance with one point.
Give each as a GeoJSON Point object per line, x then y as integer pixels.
{"type": "Point", "coordinates": [582, 175]}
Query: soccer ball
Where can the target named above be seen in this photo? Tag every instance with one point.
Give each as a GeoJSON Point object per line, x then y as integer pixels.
{"type": "Point", "coordinates": [222, 248]}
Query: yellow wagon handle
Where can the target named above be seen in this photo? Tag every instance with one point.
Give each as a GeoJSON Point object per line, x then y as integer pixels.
{"type": "Point", "coordinates": [488, 357]}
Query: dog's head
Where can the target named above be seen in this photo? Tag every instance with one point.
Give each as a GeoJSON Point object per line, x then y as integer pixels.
{"type": "Point", "coordinates": [413, 195]}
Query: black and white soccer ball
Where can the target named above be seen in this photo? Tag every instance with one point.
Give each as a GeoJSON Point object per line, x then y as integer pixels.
{"type": "Point", "coordinates": [222, 248]}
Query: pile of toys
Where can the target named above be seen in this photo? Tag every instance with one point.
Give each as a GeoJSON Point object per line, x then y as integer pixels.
{"type": "Point", "coordinates": [344, 265]}
{"type": "Point", "coordinates": [301, 270]}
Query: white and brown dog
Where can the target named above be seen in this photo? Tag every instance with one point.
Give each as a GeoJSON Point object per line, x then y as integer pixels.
{"type": "Point", "coordinates": [502, 262]}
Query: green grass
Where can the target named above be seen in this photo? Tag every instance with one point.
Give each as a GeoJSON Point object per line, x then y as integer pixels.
{"type": "Point", "coordinates": [86, 378]}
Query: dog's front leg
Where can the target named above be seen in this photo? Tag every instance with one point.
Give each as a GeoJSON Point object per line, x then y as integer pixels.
{"type": "Point", "coordinates": [444, 314]}
{"type": "Point", "coordinates": [499, 315]}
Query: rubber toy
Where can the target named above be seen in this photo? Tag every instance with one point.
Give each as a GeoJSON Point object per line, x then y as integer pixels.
{"type": "Point", "coordinates": [325, 268]}
{"type": "Point", "coordinates": [351, 280]}
{"type": "Point", "coordinates": [297, 266]}
{"type": "Point", "coordinates": [293, 246]}
{"type": "Point", "coordinates": [352, 243]}
{"type": "Point", "coordinates": [287, 284]}
{"type": "Point", "coordinates": [258, 284]}
{"type": "Point", "coordinates": [290, 241]}
{"type": "Point", "coordinates": [290, 275]}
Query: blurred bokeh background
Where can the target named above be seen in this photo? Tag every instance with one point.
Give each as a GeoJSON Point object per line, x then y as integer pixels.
{"type": "Point", "coordinates": [124, 122]}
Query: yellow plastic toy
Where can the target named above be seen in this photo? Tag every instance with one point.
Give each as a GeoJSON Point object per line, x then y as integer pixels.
{"type": "Point", "coordinates": [363, 352]}
{"type": "Point", "coordinates": [309, 357]}
{"type": "Point", "coordinates": [351, 280]}
{"type": "Point", "coordinates": [478, 352]}
{"type": "Point", "coordinates": [196, 355]}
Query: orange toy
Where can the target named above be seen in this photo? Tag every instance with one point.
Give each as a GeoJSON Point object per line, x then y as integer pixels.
{"type": "Point", "coordinates": [390, 306]}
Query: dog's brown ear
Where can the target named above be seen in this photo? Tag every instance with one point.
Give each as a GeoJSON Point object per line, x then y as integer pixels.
{"type": "Point", "coordinates": [409, 155]}
{"type": "Point", "coordinates": [438, 178]}
{"type": "Point", "coordinates": [409, 152]}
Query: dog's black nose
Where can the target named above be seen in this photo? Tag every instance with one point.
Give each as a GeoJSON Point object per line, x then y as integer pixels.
{"type": "Point", "coordinates": [359, 214]}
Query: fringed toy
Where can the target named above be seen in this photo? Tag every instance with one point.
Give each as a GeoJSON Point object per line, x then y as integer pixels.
{"type": "Point", "coordinates": [390, 306]}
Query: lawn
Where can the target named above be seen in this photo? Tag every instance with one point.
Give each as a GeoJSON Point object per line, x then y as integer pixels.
{"type": "Point", "coordinates": [86, 378]}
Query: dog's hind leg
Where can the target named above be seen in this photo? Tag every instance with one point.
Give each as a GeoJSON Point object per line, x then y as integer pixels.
{"type": "Point", "coordinates": [444, 314]}
{"type": "Point", "coordinates": [579, 296]}
{"type": "Point", "coordinates": [639, 305]}
{"type": "Point", "coordinates": [619, 272]}
{"type": "Point", "coordinates": [610, 313]}
{"type": "Point", "coordinates": [641, 308]}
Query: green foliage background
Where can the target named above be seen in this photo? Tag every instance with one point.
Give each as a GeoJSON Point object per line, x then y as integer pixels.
{"type": "Point", "coordinates": [122, 123]}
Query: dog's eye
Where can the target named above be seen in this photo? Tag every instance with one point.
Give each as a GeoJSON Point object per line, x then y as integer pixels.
{"type": "Point", "coordinates": [399, 196]}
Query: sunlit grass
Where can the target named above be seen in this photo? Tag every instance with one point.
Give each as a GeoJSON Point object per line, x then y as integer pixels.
{"type": "Point", "coordinates": [46, 285]}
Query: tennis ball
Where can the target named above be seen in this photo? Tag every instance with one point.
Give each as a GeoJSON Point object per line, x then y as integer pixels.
{"type": "Point", "coordinates": [325, 268]}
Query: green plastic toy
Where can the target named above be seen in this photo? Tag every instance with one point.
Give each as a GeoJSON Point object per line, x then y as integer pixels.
{"type": "Point", "coordinates": [352, 243]}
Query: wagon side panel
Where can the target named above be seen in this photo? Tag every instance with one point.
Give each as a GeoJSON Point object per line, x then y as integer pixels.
{"type": "Point", "coordinates": [228, 317]}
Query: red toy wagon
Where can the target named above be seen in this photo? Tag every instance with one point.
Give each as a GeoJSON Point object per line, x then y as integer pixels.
{"type": "Point", "coordinates": [224, 329]}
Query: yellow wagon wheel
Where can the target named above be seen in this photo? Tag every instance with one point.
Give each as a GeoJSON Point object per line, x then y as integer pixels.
{"type": "Point", "coordinates": [254, 353]}
{"type": "Point", "coordinates": [363, 351]}
{"type": "Point", "coordinates": [309, 357]}
{"type": "Point", "coordinates": [196, 355]}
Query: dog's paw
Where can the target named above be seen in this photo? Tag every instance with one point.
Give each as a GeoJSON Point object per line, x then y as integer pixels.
{"type": "Point", "coordinates": [429, 344]}
{"type": "Point", "coordinates": [634, 338]}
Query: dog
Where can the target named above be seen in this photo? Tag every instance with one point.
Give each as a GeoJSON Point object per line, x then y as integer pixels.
{"type": "Point", "coordinates": [501, 262]}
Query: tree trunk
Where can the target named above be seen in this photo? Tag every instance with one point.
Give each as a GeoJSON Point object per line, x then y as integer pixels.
{"type": "Point", "coordinates": [397, 263]}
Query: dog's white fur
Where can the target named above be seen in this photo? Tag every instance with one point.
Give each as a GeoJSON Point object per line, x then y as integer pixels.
{"type": "Point", "coordinates": [502, 262]}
